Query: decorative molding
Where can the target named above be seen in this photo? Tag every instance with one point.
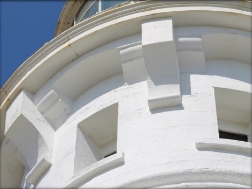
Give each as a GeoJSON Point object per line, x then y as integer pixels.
{"type": "Point", "coordinates": [224, 144]}
{"type": "Point", "coordinates": [58, 46]}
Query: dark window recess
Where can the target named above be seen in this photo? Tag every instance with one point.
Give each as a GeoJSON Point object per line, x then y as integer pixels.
{"type": "Point", "coordinates": [110, 154]}
{"type": "Point", "coordinates": [105, 4]}
{"type": "Point", "coordinates": [232, 136]}
{"type": "Point", "coordinates": [92, 10]}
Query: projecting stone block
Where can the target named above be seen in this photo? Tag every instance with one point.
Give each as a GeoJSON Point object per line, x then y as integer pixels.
{"type": "Point", "coordinates": [191, 57]}
{"type": "Point", "coordinates": [55, 106]}
{"type": "Point", "coordinates": [38, 170]}
{"type": "Point", "coordinates": [161, 63]}
{"type": "Point", "coordinates": [133, 63]}
{"type": "Point", "coordinates": [28, 130]}
{"type": "Point", "coordinates": [49, 99]}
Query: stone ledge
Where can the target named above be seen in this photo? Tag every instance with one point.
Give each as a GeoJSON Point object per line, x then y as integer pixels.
{"type": "Point", "coordinates": [224, 144]}
{"type": "Point", "coordinates": [95, 168]}
{"type": "Point", "coordinates": [38, 170]}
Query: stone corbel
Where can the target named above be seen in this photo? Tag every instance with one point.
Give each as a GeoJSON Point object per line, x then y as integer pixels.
{"type": "Point", "coordinates": [133, 63]}
{"type": "Point", "coordinates": [160, 57]}
{"type": "Point", "coordinates": [29, 132]}
{"type": "Point", "coordinates": [55, 106]}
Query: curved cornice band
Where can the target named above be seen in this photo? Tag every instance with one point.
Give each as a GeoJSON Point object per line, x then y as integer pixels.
{"type": "Point", "coordinates": [86, 36]}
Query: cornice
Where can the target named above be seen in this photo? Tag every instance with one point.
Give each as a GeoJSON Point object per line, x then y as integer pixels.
{"type": "Point", "coordinates": [114, 19]}
{"type": "Point", "coordinates": [71, 8]}
{"type": "Point", "coordinates": [104, 20]}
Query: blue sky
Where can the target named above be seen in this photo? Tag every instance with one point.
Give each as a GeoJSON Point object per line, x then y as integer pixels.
{"type": "Point", "coordinates": [25, 27]}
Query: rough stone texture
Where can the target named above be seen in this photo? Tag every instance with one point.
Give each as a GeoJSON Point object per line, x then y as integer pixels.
{"type": "Point", "coordinates": [96, 98]}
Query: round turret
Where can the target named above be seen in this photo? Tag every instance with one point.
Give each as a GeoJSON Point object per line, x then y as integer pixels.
{"type": "Point", "coordinates": [133, 94]}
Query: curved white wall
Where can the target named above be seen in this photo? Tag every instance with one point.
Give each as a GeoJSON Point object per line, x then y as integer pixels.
{"type": "Point", "coordinates": [154, 84]}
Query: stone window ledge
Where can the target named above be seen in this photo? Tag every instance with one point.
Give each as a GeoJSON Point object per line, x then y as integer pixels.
{"type": "Point", "coordinates": [94, 169]}
{"type": "Point", "coordinates": [38, 170]}
{"type": "Point", "coordinates": [224, 144]}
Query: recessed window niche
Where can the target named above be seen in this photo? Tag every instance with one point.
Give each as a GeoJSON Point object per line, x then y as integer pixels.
{"type": "Point", "coordinates": [233, 114]}
{"type": "Point", "coordinates": [96, 137]}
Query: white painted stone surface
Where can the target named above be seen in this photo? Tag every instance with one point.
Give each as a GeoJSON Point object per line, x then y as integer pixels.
{"type": "Point", "coordinates": [96, 97]}
{"type": "Point", "coordinates": [161, 63]}
{"type": "Point", "coordinates": [38, 170]}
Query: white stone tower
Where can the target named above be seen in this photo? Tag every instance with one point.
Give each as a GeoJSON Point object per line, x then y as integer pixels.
{"type": "Point", "coordinates": [133, 94]}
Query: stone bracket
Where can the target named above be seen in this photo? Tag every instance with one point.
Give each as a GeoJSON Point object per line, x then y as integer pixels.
{"type": "Point", "coordinates": [55, 106]}
{"type": "Point", "coordinates": [26, 127]}
{"type": "Point", "coordinates": [38, 170]}
{"type": "Point", "coordinates": [223, 144]}
{"type": "Point", "coordinates": [160, 57]}
{"type": "Point", "coordinates": [133, 63]}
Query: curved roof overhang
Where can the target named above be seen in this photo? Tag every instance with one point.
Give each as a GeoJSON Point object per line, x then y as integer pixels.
{"type": "Point", "coordinates": [108, 26]}
{"type": "Point", "coordinates": [69, 12]}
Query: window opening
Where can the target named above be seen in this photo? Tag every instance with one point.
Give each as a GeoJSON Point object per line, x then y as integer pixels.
{"type": "Point", "coordinates": [110, 154]}
{"type": "Point", "coordinates": [233, 136]}
{"type": "Point", "coordinates": [233, 114]}
{"type": "Point", "coordinates": [91, 7]}
{"type": "Point", "coordinates": [96, 137]}
{"type": "Point", "coordinates": [105, 4]}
